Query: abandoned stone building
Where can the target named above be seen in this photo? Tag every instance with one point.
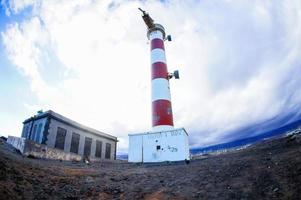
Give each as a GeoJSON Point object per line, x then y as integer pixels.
{"type": "Point", "coordinates": [57, 131]}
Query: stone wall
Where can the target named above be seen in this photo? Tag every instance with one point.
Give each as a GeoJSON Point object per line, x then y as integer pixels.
{"type": "Point", "coordinates": [18, 143]}
{"type": "Point", "coordinates": [31, 148]}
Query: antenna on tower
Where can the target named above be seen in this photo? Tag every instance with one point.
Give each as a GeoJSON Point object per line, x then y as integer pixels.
{"type": "Point", "coordinates": [147, 19]}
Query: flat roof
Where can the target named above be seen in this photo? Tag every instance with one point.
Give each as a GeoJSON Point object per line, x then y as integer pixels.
{"type": "Point", "coordinates": [65, 120]}
{"type": "Point", "coordinates": [156, 132]}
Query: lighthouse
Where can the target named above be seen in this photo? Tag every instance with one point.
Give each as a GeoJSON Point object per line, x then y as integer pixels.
{"type": "Point", "coordinates": [163, 142]}
{"type": "Point", "coordinates": [162, 118]}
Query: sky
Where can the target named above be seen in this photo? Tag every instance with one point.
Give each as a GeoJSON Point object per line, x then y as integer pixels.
{"type": "Point", "coordinates": [89, 60]}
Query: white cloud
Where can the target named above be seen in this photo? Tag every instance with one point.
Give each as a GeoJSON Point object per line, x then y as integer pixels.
{"type": "Point", "coordinates": [23, 47]}
{"type": "Point", "coordinates": [233, 57]}
{"type": "Point", "coordinates": [15, 6]}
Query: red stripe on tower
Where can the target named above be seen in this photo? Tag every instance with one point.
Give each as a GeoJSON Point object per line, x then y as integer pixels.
{"type": "Point", "coordinates": [157, 44]}
{"type": "Point", "coordinates": [159, 70]}
{"type": "Point", "coordinates": [162, 113]}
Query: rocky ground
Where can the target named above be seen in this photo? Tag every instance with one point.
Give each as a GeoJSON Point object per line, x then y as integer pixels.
{"type": "Point", "coordinates": [268, 170]}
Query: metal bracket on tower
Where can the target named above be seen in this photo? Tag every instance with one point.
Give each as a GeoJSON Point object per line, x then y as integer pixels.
{"type": "Point", "coordinates": [168, 38]}
{"type": "Point", "coordinates": [175, 74]}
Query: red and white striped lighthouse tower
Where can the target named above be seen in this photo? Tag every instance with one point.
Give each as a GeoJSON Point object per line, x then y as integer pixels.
{"type": "Point", "coordinates": [162, 118]}
{"type": "Point", "coordinates": [164, 142]}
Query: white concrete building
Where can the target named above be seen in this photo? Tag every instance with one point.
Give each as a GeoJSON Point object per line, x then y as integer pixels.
{"type": "Point", "coordinates": [170, 145]}
{"type": "Point", "coordinates": [57, 131]}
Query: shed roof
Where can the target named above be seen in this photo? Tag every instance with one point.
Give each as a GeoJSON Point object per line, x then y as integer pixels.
{"type": "Point", "coordinates": [65, 120]}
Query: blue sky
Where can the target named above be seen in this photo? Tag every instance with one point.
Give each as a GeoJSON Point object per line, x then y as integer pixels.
{"type": "Point", "coordinates": [239, 63]}
{"type": "Point", "coordinates": [13, 87]}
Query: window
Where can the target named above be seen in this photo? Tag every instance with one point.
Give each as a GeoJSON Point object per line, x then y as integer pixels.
{"type": "Point", "coordinates": [158, 147]}
{"type": "Point", "coordinates": [34, 132]}
{"type": "Point", "coordinates": [98, 149]}
{"type": "Point", "coordinates": [74, 143]}
{"type": "Point", "coordinates": [60, 138]}
{"type": "Point", "coordinates": [108, 151]}
{"type": "Point", "coordinates": [87, 148]}
{"type": "Point", "coordinates": [38, 135]}
{"type": "Point", "coordinates": [25, 131]}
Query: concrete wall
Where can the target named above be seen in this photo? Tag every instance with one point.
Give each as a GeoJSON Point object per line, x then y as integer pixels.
{"type": "Point", "coordinates": [173, 146]}
{"type": "Point", "coordinates": [42, 151]}
{"type": "Point", "coordinates": [18, 143]}
{"type": "Point", "coordinates": [53, 126]}
{"type": "Point", "coordinates": [36, 133]}
{"type": "Point", "coordinates": [28, 147]}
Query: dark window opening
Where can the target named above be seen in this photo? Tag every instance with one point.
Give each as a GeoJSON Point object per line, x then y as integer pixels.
{"type": "Point", "coordinates": [60, 138]}
{"type": "Point", "coordinates": [34, 132]}
{"type": "Point", "coordinates": [98, 149]}
{"type": "Point", "coordinates": [158, 147]}
{"type": "Point", "coordinates": [108, 151]}
{"type": "Point", "coordinates": [74, 143]}
{"type": "Point", "coordinates": [38, 135]}
{"type": "Point", "coordinates": [25, 131]}
{"type": "Point", "coordinates": [87, 148]}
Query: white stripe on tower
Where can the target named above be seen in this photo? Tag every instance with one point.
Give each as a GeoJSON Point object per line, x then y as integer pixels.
{"type": "Point", "coordinates": [158, 55]}
{"type": "Point", "coordinates": [160, 89]}
{"type": "Point", "coordinates": [161, 101]}
{"type": "Point", "coordinates": [156, 34]}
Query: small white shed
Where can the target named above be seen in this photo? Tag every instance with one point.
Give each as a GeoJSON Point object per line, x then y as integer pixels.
{"type": "Point", "coordinates": [159, 146]}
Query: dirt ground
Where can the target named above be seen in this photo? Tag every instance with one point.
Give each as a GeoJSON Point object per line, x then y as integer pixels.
{"type": "Point", "coordinates": [268, 170]}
